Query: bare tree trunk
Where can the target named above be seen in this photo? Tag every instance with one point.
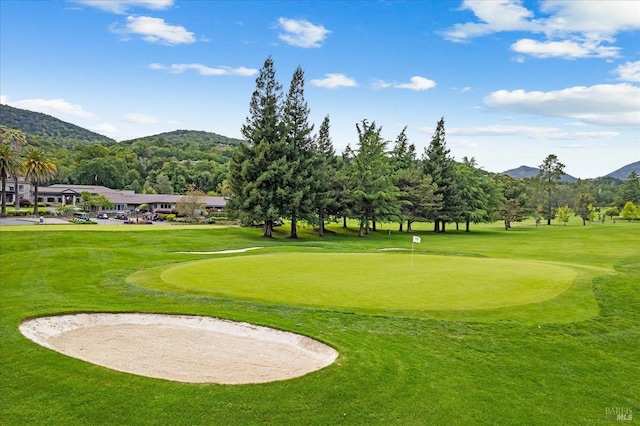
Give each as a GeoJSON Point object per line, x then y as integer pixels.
{"type": "Point", "coordinates": [443, 226]}
{"type": "Point", "coordinates": [344, 222]}
{"type": "Point", "coordinates": [361, 232]}
{"type": "Point", "coordinates": [467, 227]}
{"type": "Point", "coordinates": [294, 227]}
{"type": "Point", "coordinates": [268, 229]}
{"type": "Point", "coordinates": [16, 196]}
{"type": "Point", "coordinates": [35, 195]}
{"type": "Point", "coordinates": [4, 197]}
{"type": "Point", "coordinates": [321, 225]}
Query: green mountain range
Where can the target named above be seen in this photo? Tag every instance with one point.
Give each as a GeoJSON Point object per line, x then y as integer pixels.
{"type": "Point", "coordinates": [43, 127]}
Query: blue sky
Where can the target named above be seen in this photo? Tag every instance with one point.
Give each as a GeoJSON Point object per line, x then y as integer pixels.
{"type": "Point", "coordinates": [514, 80]}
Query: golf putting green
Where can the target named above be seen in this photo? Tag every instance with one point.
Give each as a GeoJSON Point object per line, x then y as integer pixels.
{"type": "Point", "coordinates": [368, 282]}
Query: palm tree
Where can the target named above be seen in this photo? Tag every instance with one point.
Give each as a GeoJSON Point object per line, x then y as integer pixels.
{"type": "Point", "coordinates": [9, 165]}
{"type": "Point", "coordinates": [15, 138]}
{"type": "Point", "coordinates": [38, 168]}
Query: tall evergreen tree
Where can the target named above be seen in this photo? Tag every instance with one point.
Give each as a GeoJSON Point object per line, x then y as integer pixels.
{"type": "Point", "coordinates": [325, 189]}
{"type": "Point", "coordinates": [375, 196]}
{"type": "Point", "coordinates": [299, 145]}
{"type": "Point", "coordinates": [417, 195]}
{"type": "Point", "coordinates": [440, 166]}
{"type": "Point", "coordinates": [258, 168]}
{"type": "Point", "coordinates": [583, 205]}
{"type": "Point", "coordinates": [479, 196]}
{"type": "Point", "coordinates": [403, 154]}
{"type": "Point", "coordinates": [629, 191]}
{"type": "Point", "coordinates": [549, 174]}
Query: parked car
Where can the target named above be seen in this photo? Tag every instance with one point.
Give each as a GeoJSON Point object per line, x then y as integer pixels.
{"type": "Point", "coordinates": [81, 217]}
{"type": "Point", "coordinates": [103, 216]}
{"type": "Point", "coordinates": [121, 216]}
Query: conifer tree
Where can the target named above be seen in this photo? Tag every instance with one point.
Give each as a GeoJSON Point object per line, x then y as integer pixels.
{"type": "Point", "coordinates": [325, 184]}
{"type": "Point", "coordinates": [440, 166]}
{"type": "Point", "coordinates": [549, 174]}
{"type": "Point", "coordinates": [375, 197]}
{"type": "Point", "coordinates": [299, 146]}
{"type": "Point", "coordinates": [258, 168]}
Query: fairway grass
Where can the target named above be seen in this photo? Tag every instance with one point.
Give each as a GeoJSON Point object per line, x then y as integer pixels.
{"type": "Point", "coordinates": [369, 282]}
{"type": "Point", "coordinates": [566, 353]}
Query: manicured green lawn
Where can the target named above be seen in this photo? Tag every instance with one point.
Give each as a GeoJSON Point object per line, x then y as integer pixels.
{"type": "Point", "coordinates": [410, 351]}
{"type": "Point", "coordinates": [370, 281]}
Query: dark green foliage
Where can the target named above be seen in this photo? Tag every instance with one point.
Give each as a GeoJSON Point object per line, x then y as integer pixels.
{"type": "Point", "coordinates": [374, 196]}
{"type": "Point", "coordinates": [440, 166]}
{"type": "Point", "coordinates": [549, 174]}
{"type": "Point", "coordinates": [479, 195]}
{"type": "Point", "coordinates": [418, 197]}
{"type": "Point", "coordinates": [258, 170]}
{"type": "Point", "coordinates": [326, 186]}
{"type": "Point", "coordinates": [48, 129]}
{"type": "Point", "coordinates": [629, 191]}
{"type": "Point", "coordinates": [299, 144]}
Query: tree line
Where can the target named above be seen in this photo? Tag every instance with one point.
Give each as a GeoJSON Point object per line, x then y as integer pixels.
{"type": "Point", "coordinates": [285, 170]}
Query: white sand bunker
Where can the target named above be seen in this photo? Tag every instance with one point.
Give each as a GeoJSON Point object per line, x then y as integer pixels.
{"type": "Point", "coordinates": [181, 348]}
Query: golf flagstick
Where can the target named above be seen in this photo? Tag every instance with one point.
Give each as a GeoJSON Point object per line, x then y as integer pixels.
{"type": "Point", "coordinates": [413, 241]}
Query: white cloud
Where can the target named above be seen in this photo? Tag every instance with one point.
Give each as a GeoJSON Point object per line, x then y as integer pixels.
{"type": "Point", "coordinates": [529, 132]}
{"type": "Point", "coordinates": [629, 71]}
{"type": "Point", "coordinates": [302, 33]}
{"type": "Point", "coordinates": [495, 16]}
{"type": "Point", "coordinates": [603, 104]}
{"type": "Point", "coordinates": [378, 84]}
{"type": "Point", "coordinates": [332, 81]}
{"type": "Point", "coordinates": [105, 129]}
{"type": "Point", "coordinates": [54, 107]}
{"type": "Point", "coordinates": [138, 118]}
{"type": "Point", "coordinates": [155, 30]}
{"type": "Point", "coordinates": [571, 29]}
{"type": "Point", "coordinates": [121, 6]}
{"type": "Point", "coordinates": [593, 19]}
{"type": "Point", "coordinates": [204, 70]}
{"type": "Point", "coordinates": [417, 83]}
{"type": "Point", "coordinates": [567, 49]}
{"type": "Point", "coordinates": [4, 99]}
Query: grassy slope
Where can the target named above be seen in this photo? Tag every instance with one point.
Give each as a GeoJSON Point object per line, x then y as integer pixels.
{"type": "Point", "coordinates": [391, 369]}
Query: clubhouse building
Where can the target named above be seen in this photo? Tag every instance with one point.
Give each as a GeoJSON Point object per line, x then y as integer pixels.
{"type": "Point", "coordinates": [124, 200]}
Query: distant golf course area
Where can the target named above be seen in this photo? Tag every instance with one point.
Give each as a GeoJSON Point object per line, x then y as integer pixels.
{"type": "Point", "coordinates": [535, 325]}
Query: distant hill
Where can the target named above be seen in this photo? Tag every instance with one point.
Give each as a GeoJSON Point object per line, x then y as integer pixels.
{"type": "Point", "coordinates": [197, 136]}
{"type": "Point", "coordinates": [623, 172]}
{"type": "Point", "coordinates": [43, 129]}
{"type": "Point", "coordinates": [523, 172]}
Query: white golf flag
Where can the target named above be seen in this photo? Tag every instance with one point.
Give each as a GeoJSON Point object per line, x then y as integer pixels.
{"type": "Point", "coordinates": [416, 239]}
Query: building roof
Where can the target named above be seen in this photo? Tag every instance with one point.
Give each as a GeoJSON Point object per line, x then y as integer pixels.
{"type": "Point", "coordinates": [125, 196]}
